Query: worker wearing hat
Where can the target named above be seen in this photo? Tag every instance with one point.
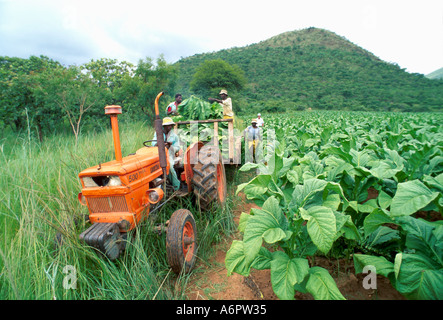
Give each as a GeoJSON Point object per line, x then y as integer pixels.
{"type": "Point", "coordinates": [226, 103]}
{"type": "Point", "coordinates": [253, 138]}
{"type": "Point", "coordinates": [172, 142]}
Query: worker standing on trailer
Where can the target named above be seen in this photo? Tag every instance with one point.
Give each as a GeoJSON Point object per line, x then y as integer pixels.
{"type": "Point", "coordinates": [226, 103]}
{"type": "Point", "coordinates": [253, 138]}
{"type": "Point", "coordinates": [172, 108]}
{"type": "Point", "coordinates": [172, 142]}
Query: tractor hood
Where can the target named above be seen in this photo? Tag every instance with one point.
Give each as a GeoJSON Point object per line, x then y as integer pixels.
{"type": "Point", "coordinates": [145, 158]}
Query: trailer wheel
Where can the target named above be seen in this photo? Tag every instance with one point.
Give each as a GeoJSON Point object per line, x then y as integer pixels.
{"type": "Point", "coordinates": [209, 178]}
{"type": "Point", "coordinates": [180, 241]}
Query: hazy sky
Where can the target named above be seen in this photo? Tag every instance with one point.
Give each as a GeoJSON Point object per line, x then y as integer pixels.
{"type": "Point", "coordinates": [409, 33]}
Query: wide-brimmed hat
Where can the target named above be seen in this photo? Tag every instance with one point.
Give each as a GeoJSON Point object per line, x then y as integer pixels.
{"type": "Point", "coordinates": [223, 91]}
{"type": "Point", "coordinates": [254, 121]}
{"type": "Point", "coordinates": [167, 121]}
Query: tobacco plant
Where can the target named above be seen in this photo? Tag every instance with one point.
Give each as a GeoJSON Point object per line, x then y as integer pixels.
{"type": "Point", "coordinates": [417, 269]}
{"type": "Point", "coordinates": [293, 223]}
{"type": "Point", "coordinates": [312, 189]}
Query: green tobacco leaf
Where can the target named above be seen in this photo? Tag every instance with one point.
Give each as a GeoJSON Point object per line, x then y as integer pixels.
{"type": "Point", "coordinates": [274, 235]}
{"type": "Point", "coordinates": [385, 169]}
{"type": "Point", "coordinates": [381, 236]}
{"type": "Point", "coordinates": [346, 227]}
{"type": "Point", "coordinates": [332, 201]}
{"type": "Point", "coordinates": [250, 165]}
{"type": "Point", "coordinates": [336, 167]}
{"type": "Point", "coordinates": [381, 264]}
{"type": "Point", "coordinates": [339, 152]}
{"type": "Point", "coordinates": [435, 182]}
{"type": "Point", "coordinates": [418, 277]}
{"type": "Point", "coordinates": [410, 197]}
{"type": "Point", "coordinates": [321, 226]}
{"type": "Point", "coordinates": [360, 158]}
{"type": "Point", "coordinates": [256, 187]}
{"type": "Point", "coordinates": [422, 236]}
{"type": "Point", "coordinates": [322, 286]}
{"type": "Point", "coordinates": [264, 223]}
{"type": "Point", "coordinates": [275, 164]}
{"type": "Point", "coordinates": [235, 260]}
{"type": "Point", "coordinates": [375, 220]}
{"type": "Point", "coordinates": [244, 217]}
{"type": "Point", "coordinates": [263, 260]}
{"type": "Point", "coordinates": [293, 177]}
{"type": "Point", "coordinates": [304, 193]}
{"type": "Point", "coordinates": [287, 165]}
{"type": "Point", "coordinates": [384, 200]}
{"type": "Point", "coordinates": [285, 273]}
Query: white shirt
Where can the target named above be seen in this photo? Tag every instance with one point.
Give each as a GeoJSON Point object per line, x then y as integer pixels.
{"type": "Point", "coordinates": [171, 108]}
{"type": "Point", "coordinates": [260, 122]}
{"type": "Point", "coordinates": [227, 107]}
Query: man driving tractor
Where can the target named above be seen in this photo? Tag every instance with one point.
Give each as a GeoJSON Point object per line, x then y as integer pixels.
{"type": "Point", "coordinates": [173, 145]}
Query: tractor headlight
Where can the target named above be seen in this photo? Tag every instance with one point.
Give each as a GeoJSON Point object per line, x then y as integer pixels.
{"type": "Point", "coordinates": [155, 195]}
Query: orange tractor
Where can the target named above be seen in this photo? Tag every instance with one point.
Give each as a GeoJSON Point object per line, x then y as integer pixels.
{"type": "Point", "coordinates": [121, 193]}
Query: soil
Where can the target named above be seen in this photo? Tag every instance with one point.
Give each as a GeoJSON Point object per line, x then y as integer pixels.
{"type": "Point", "coordinates": [212, 282]}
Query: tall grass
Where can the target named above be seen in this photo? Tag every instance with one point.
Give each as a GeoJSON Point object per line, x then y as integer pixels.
{"type": "Point", "coordinates": [40, 220]}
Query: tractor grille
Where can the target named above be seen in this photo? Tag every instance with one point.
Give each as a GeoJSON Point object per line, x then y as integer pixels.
{"type": "Point", "coordinates": [108, 204]}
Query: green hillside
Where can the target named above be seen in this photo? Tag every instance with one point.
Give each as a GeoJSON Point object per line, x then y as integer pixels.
{"type": "Point", "coordinates": [316, 68]}
{"type": "Point", "coordinates": [437, 74]}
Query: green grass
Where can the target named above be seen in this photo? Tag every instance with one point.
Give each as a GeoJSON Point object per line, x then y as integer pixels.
{"type": "Point", "coordinates": [38, 199]}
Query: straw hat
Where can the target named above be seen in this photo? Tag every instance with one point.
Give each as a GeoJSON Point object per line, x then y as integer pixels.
{"type": "Point", "coordinates": [223, 91]}
{"type": "Point", "coordinates": [167, 121]}
{"type": "Point", "coordinates": [254, 121]}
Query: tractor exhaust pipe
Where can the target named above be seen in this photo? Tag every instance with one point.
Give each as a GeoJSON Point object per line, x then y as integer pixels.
{"type": "Point", "coordinates": [159, 131]}
{"type": "Point", "coordinates": [160, 141]}
{"type": "Point", "coordinates": [113, 111]}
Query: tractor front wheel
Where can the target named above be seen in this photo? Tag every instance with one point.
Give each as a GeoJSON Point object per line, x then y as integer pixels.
{"type": "Point", "coordinates": [181, 247]}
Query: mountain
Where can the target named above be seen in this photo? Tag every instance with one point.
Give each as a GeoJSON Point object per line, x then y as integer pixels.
{"type": "Point", "coordinates": [437, 74]}
{"type": "Point", "coordinates": [316, 68]}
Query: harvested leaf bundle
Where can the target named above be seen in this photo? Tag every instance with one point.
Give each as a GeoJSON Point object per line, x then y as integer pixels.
{"type": "Point", "coordinates": [194, 108]}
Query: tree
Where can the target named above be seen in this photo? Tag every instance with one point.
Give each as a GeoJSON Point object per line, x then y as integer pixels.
{"type": "Point", "coordinates": [139, 91]}
{"type": "Point", "coordinates": [20, 79]}
{"type": "Point", "coordinates": [71, 93]}
{"type": "Point", "coordinates": [108, 73]}
{"type": "Point", "coordinates": [212, 75]}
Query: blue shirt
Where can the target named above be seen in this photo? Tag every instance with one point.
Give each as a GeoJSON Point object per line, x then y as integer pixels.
{"type": "Point", "coordinates": [172, 138]}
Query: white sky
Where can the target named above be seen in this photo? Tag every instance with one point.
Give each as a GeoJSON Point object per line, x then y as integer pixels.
{"type": "Point", "coordinates": [409, 33]}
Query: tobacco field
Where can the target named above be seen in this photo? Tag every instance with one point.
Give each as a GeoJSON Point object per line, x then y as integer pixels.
{"type": "Point", "coordinates": [366, 186]}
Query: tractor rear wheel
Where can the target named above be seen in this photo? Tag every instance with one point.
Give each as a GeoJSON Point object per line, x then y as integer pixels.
{"type": "Point", "coordinates": [180, 241]}
{"type": "Point", "coordinates": [209, 178]}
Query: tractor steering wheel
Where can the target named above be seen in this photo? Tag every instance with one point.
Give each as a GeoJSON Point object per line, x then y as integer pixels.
{"type": "Point", "coordinates": [145, 143]}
